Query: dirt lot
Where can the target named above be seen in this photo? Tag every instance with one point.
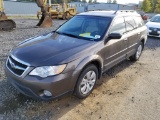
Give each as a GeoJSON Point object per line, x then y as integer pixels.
{"type": "Point", "coordinates": [130, 90]}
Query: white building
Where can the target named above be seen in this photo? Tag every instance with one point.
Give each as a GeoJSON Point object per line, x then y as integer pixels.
{"type": "Point", "coordinates": [80, 6]}
{"type": "Point", "coordinates": [110, 6]}
{"type": "Point", "coordinates": [27, 8]}
{"type": "Point", "coordinates": [21, 8]}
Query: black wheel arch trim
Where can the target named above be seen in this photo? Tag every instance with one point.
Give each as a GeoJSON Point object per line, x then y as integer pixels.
{"type": "Point", "coordinates": [89, 60]}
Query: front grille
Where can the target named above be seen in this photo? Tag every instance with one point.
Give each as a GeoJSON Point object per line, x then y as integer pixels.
{"type": "Point", "coordinates": [155, 34]}
{"type": "Point", "coordinates": [154, 29]}
{"type": "Point", "coordinates": [15, 66]}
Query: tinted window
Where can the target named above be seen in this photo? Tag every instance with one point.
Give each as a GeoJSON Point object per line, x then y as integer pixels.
{"type": "Point", "coordinates": [130, 24]}
{"type": "Point", "coordinates": [118, 26]}
{"type": "Point", "coordinates": [139, 21]}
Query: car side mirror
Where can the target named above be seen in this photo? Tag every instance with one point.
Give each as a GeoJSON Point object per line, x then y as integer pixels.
{"type": "Point", "coordinates": [115, 35]}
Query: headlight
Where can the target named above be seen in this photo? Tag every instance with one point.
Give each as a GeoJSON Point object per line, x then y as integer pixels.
{"type": "Point", "coordinates": [46, 71]}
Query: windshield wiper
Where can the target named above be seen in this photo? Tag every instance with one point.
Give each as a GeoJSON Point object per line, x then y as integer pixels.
{"type": "Point", "coordinates": [79, 37]}
{"type": "Point", "coordinates": [68, 34]}
{"type": "Point", "coordinates": [75, 36]}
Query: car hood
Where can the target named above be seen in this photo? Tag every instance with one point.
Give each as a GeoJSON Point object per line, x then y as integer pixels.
{"type": "Point", "coordinates": [50, 49]}
{"type": "Point", "coordinates": [153, 24]}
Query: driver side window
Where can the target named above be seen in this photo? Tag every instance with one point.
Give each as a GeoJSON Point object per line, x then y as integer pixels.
{"type": "Point", "coordinates": [118, 26]}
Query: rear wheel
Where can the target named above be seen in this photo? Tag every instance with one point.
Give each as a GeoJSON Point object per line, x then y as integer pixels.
{"type": "Point", "coordinates": [7, 25]}
{"type": "Point", "coordinates": [138, 53]}
{"type": "Point", "coordinates": [86, 81]}
{"type": "Point", "coordinates": [67, 16]}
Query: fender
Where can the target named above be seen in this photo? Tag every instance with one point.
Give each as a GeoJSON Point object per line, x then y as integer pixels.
{"type": "Point", "coordinates": [144, 38]}
{"type": "Point", "coordinates": [84, 62]}
{"type": "Point", "coordinates": [88, 60]}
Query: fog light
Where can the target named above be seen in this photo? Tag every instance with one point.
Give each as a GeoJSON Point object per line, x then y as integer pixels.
{"type": "Point", "coordinates": [47, 93]}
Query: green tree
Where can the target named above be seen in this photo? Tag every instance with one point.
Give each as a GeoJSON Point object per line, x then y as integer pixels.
{"type": "Point", "coordinates": [109, 1]}
{"type": "Point", "coordinates": [115, 1]}
{"type": "Point", "coordinates": [157, 7]}
{"type": "Point", "coordinates": [84, 1]}
{"type": "Point", "coordinates": [76, 0]}
{"type": "Point", "coordinates": [153, 5]}
{"type": "Point", "coordinates": [90, 1]}
{"type": "Point", "coordinates": [146, 6]}
{"type": "Point", "coordinates": [54, 1]}
{"type": "Point", "coordinates": [94, 1]}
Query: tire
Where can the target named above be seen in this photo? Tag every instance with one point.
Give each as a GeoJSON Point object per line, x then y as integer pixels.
{"type": "Point", "coordinates": [67, 15]}
{"type": "Point", "coordinates": [138, 53]}
{"type": "Point", "coordinates": [86, 81]}
{"type": "Point", "coordinates": [64, 16]}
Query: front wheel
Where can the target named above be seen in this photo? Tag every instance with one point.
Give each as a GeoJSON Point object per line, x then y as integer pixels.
{"type": "Point", "coordinates": [138, 53]}
{"type": "Point", "coordinates": [86, 81]}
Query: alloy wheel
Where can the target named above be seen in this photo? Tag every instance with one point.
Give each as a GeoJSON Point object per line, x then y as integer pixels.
{"type": "Point", "coordinates": [88, 82]}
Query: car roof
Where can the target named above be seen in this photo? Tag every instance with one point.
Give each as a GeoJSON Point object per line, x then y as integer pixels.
{"type": "Point", "coordinates": [110, 13]}
{"type": "Point", "coordinates": [99, 13]}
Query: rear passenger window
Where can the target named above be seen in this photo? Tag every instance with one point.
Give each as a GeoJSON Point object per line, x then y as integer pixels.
{"type": "Point", "coordinates": [118, 26]}
{"type": "Point", "coordinates": [130, 24]}
{"type": "Point", "coordinates": [139, 21]}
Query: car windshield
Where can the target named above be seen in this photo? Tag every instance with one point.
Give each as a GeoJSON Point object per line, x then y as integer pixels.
{"type": "Point", "coordinates": [156, 19]}
{"type": "Point", "coordinates": [85, 27]}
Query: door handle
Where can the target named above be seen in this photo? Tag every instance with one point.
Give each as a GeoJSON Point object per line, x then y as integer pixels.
{"type": "Point", "coordinates": [139, 33]}
{"type": "Point", "coordinates": [125, 39]}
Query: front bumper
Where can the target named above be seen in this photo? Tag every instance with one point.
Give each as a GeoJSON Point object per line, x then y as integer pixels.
{"type": "Point", "coordinates": [34, 86]}
{"type": "Point", "coordinates": [154, 33]}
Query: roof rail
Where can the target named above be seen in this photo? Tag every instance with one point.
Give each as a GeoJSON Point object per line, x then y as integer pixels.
{"type": "Point", "coordinates": [125, 11]}
{"type": "Point", "coordinates": [101, 10]}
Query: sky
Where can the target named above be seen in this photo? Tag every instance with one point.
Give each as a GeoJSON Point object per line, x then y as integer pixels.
{"type": "Point", "coordinates": [123, 1]}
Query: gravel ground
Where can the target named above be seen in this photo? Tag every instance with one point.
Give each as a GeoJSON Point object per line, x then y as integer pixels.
{"type": "Point", "coordinates": [129, 91]}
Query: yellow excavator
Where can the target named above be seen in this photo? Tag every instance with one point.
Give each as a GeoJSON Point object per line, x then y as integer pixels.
{"type": "Point", "coordinates": [8, 24]}
{"type": "Point", "coordinates": [5, 23]}
{"type": "Point", "coordinates": [62, 11]}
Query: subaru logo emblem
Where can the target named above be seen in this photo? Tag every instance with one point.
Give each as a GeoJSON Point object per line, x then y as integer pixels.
{"type": "Point", "coordinates": [13, 65]}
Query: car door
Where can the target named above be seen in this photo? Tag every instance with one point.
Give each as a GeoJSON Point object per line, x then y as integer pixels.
{"type": "Point", "coordinates": [141, 27]}
{"type": "Point", "coordinates": [115, 49]}
{"type": "Point", "coordinates": [131, 31]}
